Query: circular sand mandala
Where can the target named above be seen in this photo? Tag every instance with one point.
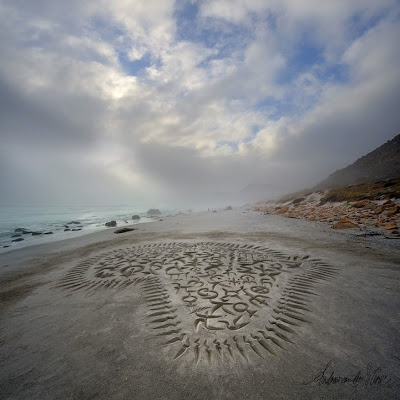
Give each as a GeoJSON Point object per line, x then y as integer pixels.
{"type": "Point", "coordinates": [212, 301]}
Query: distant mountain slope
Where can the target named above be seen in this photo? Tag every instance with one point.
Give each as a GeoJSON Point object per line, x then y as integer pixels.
{"type": "Point", "coordinates": [381, 164]}
{"type": "Point", "coordinates": [253, 192]}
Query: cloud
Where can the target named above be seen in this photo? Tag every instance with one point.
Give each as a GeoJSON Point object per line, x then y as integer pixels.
{"type": "Point", "coordinates": [181, 99]}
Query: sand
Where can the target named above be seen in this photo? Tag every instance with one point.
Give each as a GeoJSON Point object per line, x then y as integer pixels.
{"type": "Point", "coordinates": [226, 305]}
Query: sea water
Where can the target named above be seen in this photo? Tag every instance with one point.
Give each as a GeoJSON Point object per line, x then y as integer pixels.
{"type": "Point", "coordinates": [44, 219]}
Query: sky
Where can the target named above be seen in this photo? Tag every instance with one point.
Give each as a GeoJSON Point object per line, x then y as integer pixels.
{"type": "Point", "coordinates": [166, 102]}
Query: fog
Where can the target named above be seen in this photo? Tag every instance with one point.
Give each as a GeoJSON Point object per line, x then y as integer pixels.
{"type": "Point", "coordinates": [190, 104]}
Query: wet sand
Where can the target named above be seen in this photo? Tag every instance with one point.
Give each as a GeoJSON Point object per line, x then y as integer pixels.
{"type": "Point", "coordinates": [226, 305]}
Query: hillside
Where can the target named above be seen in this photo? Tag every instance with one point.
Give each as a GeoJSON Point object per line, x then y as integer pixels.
{"type": "Point", "coordinates": [380, 164]}
{"type": "Point", "coordinates": [363, 196]}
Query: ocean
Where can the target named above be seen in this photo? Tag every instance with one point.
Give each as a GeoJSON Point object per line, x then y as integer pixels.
{"type": "Point", "coordinates": [22, 226]}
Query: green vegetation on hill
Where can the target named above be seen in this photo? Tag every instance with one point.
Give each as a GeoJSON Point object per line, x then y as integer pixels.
{"type": "Point", "coordinates": [364, 191]}
{"type": "Point", "coordinates": [371, 176]}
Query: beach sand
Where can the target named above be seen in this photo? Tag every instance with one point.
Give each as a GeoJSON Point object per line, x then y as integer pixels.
{"type": "Point", "coordinates": [226, 305]}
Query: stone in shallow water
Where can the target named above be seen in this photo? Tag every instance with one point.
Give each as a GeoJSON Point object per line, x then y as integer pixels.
{"type": "Point", "coordinates": [154, 211]}
{"type": "Point", "coordinates": [123, 230]}
{"type": "Point", "coordinates": [111, 223]}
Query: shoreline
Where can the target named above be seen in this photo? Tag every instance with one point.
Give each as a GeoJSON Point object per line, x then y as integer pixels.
{"type": "Point", "coordinates": [107, 234]}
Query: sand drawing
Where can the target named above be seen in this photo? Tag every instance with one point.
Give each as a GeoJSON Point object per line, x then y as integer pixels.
{"type": "Point", "coordinates": [212, 302]}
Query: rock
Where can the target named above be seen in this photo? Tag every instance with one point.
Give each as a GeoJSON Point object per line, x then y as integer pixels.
{"type": "Point", "coordinates": [111, 223]}
{"type": "Point", "coordinates": [214, 211]}
{"type": "Point", "coordinates": [74, 223]}
{"type": "Point", "coordinates": [228, 208]}
{"type": "Point", "coordinates": [282, 210]}
{"type": "Point", "coordinates": [394, 234]}
{"type": "Point", "coordinates": [6, 246]}
{"type": "Point", "coordinates": [123, 230]}
{"type": "Point", "coordinates": [298, 200]}
{"type": "Point", "coordinates": [345, 225]}
{"type": "Point", "coordinates": [27, 232]}
{"type": "Point", "coordinates": [76, 229]}
{"type": "Point", "coordinates": [393, 211]}
{"type": "Point", "coordinates": [154, 211]}
{"type": "Point", "coordinates": [390, 227]}
{"type": "Point", "coordinates": [360, 204]}
{"type": "Point", "coordinates": [66, 226]}
{"type": "Point", "coordinates": [36, 233]}
{"type": "Point", "coordinates": [135, 217]}
{"type": "Point", "coordinates": [18, 240]}
{"type": "Point", "coordinates": [48, 233]}
{"type": "Point", "coordinates": [67, 230]}
{"type": "Point", "coordinates": [17, 235]}
{"type": "Point", "coordinates": [20, 230]}
{"type": "Point", "coordinates": [161, 220]}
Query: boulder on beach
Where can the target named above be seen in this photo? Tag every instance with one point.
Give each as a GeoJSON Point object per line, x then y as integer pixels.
{"type": "Point", "coordinates": [154, 211]}
{"type": "Point", "coordinates": [123, 230]}
{"type": "Point", "coordinates": [345, 223]}
{"type": "Point", "coordinates": [228, 208]}
{"type": "Point", "coordinates": [37, 233]}
{"type": "Point", "coordinates": [67, 230]}
{"type": "Point", "coordinates": [135, 217]}
{"type": "Point", "coordinates": [48, 233]}
{"type": "Point", "coordinates": [111, 223]}
{"type": "Point", "coordinates": [282, 210]}
{"type": "Point", "coordinates": [18, 240]}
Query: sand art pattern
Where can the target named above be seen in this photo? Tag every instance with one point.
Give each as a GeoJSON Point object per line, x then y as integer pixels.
{"type": "Point", "coordinates": [211, 301]}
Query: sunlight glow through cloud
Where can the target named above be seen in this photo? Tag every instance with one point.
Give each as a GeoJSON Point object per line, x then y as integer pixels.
{"type": "Point", "coordinates": [243, 90]}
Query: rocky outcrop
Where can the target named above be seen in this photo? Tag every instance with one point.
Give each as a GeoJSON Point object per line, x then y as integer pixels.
{"type": "Point", "coordinates": [136, 217]}
{"type": "Point", "coordinates": [380, 215]}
